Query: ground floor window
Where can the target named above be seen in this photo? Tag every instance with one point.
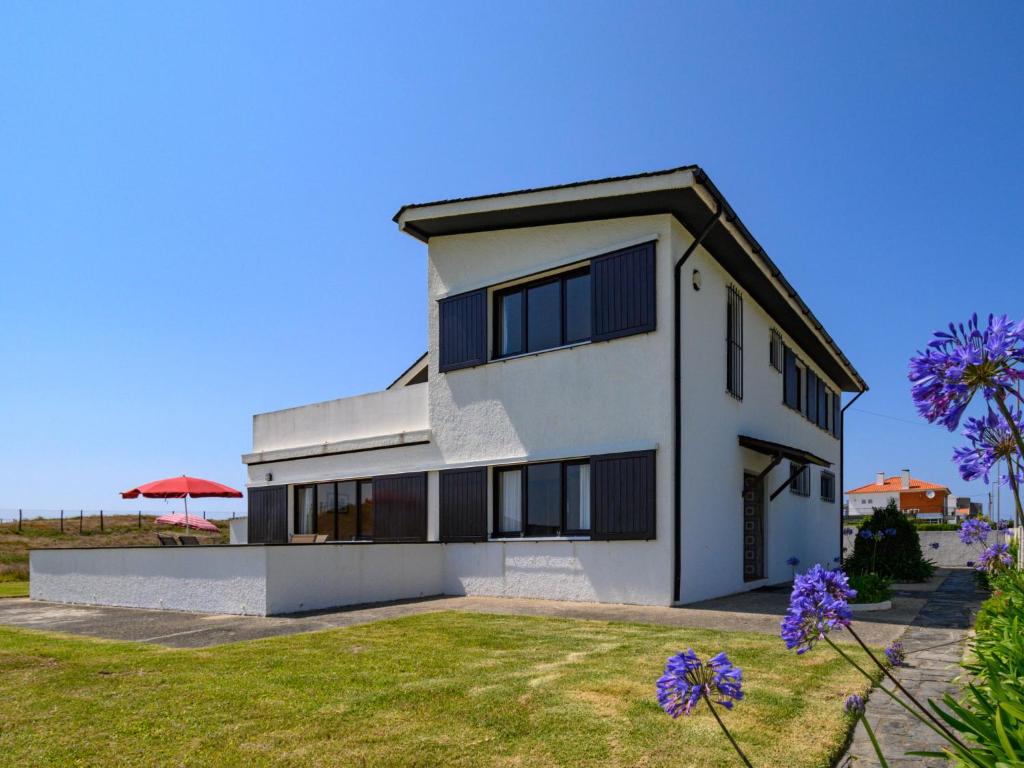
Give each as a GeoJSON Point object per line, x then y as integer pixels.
{"type": "Point", "coordinates": [545, 499]}
{"type": "Point", "coordinates": [828, 486]}
{"type": "Point", "coordinates": [801, 483]}
{"type": "Point", "coordinates": [342, 511]}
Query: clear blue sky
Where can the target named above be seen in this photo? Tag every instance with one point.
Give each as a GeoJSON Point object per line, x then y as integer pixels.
{"type": "Point", "coordinates": [196, 199]}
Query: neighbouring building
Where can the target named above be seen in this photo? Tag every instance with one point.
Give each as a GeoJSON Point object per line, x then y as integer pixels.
{"type": "Point", "coordinates": [606, 411]}
{"type": "Point", "coordinates": [917, 498]}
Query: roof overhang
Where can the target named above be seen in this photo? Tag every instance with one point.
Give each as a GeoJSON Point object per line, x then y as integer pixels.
{"type": "Point", "coordinates": [781, 451]}
{"type": "Point", "coordinates": [687, 194]}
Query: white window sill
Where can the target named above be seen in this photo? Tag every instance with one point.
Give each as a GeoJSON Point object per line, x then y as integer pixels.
{"type": "Point", "coordinates": [536, 352]}
{"type": "Point", "coordinates": [540, 538]}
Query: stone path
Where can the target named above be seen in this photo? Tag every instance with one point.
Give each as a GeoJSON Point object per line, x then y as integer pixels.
{"type": "Point", "coordinates": [935, 644]}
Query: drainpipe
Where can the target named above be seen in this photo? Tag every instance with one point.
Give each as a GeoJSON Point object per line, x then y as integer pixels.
{"type": "Point", "coordinates": [842, 465]}
{"type": "Point", "coordinates": [677, 437]}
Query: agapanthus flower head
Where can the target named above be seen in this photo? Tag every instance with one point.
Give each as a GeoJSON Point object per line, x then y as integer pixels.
{"type": "Point", "coordinates": [818, 604]}
{"type": "Point", "coordinates": [974, 530]}
{"type": "Point", "coordinates": [994, 558]}
{"type": "Point", "coordinates": [865, 533]}
{"type": "Point", "coordinates": [854, 705]}
{"type": "Point", "coordinates": [990, 440]}
{"type": "Point", "coordinates": [967, 359]}
{"type": "Point", "coordinates": [896, 654]}
{"type": "Point", "coordinates": [793, 560]}
{"type": "Point", "coordinates": [687, 679]}
{"type": "Point", "coordinates": [934, 545]}
{"type": "Point", "coordinates": [890, 532]}
{"type": "Point", "coordinates": [970, 563]}
{"type": "Point", "coordinates": [879, 535]}
{"type": "Point", "coordinates": [847, 531]}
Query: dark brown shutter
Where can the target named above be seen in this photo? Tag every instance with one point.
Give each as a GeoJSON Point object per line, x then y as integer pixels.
{"type": "Point", "coordinates": [400, 507]}
{"type": "Point", "coordinates": [623, 298]}
{"type": "Point", "coordinates": [463, 504]}
{"type": "Point", "coordinates": [462, 330]}
{"type": "Point", "coordinates": [822, 405]}
{"type": "Point", "coordinates": [837, 414]}
{"type": "Point", "coordinates": [789, 378]}
{"type": "Point", "coordinates": [267, 521]}
{"type": "Point", "coordinates": [811, 406]}
{"type": "Point", "coordinates": [622, 496]}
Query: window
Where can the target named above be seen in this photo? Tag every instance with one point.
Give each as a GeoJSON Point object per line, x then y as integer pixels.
{"type": "Point", "coordinates": [775, 353]}
{"type": "Point", "coordinates": [545, 499]}
{"type": "Point", "coordinates": [734, 344]}
{"type": "Point", "coordinates": [545, 314]}
{"type": "Point", "coordinates": [828, 487]}
{"type": "Point", "coordinates": [341, 511]}
{"type": "Point", "coordinates": [801, 484]}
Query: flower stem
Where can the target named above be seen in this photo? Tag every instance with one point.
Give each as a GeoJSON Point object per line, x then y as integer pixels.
{"type": "Point", "coordinates": [886, 691]}
{"type": "Point", "coordinates": [728, 735]}
{"type": "Point", "coordinates": [874, 741]}
{"type": "Point", "coordinates": [949, 734]}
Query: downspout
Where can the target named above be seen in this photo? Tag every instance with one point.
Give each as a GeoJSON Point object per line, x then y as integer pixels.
{"type": "Point", "coordinates": [677, 437]}
{"type": "Point", "coordinates": [842, 465]}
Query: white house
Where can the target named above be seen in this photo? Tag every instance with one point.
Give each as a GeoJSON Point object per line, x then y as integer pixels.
{"type": "Point", "coordinates": [623, 400]}
{"type": "Point", "coordinates": [619, 382]}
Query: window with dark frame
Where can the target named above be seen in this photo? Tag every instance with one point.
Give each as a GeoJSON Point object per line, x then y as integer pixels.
{"type": "Point", "coordinates": [828, 486]}
{"type": "Point", "coordinates": [775, 353]}
{"type": "Point", "coordinates": [343, 511]}
{"type": "Point", "coordinates": [734, 343]}
{"type": "Point", "coordinates": [801, 484]}
{"type": "Point", "coordinates": [546, 499]}
{"type": "Point", "coordinates": [543, 314]}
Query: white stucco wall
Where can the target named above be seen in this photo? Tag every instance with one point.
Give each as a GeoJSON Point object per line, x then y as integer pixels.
{"type": "Point", "coordinates": [712, 462]}
{"type": "Point", "coordinates": [592, 571]}
{"type": "Point", "coordinates": [199, 579]}
{"type": "Point", "coordinates": [238, 530]}
{"type": "Point", "coordinates": [951, 552]}
{"type": "Point", "coordinates": [864, 503]}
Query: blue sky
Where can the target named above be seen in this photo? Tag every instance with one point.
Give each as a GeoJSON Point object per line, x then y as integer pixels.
{"type": "Point", "coordinates": [196, 199]}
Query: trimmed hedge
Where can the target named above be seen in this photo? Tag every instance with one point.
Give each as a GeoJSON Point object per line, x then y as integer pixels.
{"type": "Point", "coordinates": [897, 557]}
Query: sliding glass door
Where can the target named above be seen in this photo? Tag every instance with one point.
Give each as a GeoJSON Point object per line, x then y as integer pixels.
{"type": "Point", "coordinates": [341, 511]}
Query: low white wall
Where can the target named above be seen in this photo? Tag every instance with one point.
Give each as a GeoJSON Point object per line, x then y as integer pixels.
{"type": "Point", "coordinates": [238, 531]}
{"type": "Point", "coordinates": [198, 579]}
{"type": "Point", "coordinates": [594, 571]}
{"type": "Point", "coordinates": [312, 576]}
{"type": "Point", "coordinates": [951, 552]}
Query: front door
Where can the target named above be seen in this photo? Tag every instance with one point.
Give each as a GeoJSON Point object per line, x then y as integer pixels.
{"type": "Point", "coordinates": [753, 527]}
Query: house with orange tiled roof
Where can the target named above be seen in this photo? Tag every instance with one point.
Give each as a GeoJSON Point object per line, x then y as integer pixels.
{"type": "Point", "coordinates": [919, 498]}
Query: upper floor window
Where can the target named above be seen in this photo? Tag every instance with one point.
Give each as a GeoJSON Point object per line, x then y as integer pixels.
{"type": "Point", "coordinates": [775, 353]}
{"type": "Point", "coordinates": [734, 343]}
{"type": "Point", "coordinates": [544, 314]}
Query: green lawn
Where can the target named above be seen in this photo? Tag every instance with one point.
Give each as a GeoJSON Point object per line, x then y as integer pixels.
{"type": "Point", "coordinates": [451, 689]}
{"type": "Point", "coordinates": [13, 589]}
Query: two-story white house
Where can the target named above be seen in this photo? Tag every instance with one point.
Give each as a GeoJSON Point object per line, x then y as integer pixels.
{"type": "Point", "coordinates": [623, 400]}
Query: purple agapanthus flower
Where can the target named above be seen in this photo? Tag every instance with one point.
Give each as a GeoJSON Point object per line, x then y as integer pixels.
{"type": "Point", "coordinates": [818, 604]}
{"type": "Point", "coordinates": [967, 359]}
{"type": "Point", "coordinates": [934, 545]}
{"type": "Point", "coordinates": [793, 561]}
{"type": "Point", "coordinates": [854, 705]}
{"type": "Point", "coordinates": [970, 563]}
{"type": "Point", "coordinates": [847, 531]}
{"type": "Point", "coordinates": [990, 441]}
{"type": "Point", "coordinates": [896, 654]}
{"type": "Point", "coordinates": [687, 679]}
{"type": "Point", "coordinates": [890, 532]}
{"type": "Point", "coordinates": [974, 530]}
{"type": "Point", "coordinates": [995, 557]}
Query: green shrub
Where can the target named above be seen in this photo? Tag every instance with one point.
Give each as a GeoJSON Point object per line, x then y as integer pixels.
{"type": "Point", "coordinates": [936, 526]}
{"type": "Point", "coordinates": [898, 556]}
{"type": "Point", "coordinates": [871, 588]}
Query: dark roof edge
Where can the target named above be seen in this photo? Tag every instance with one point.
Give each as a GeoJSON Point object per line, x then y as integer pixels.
{"type": "Point", "coordinates": [400, 376]}
{"type": "Point", "coordinates": [704, 180]}
{"type": "Point", "coordinates": [628, 177]}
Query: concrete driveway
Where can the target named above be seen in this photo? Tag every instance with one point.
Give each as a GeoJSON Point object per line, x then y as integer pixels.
{"type": "Point", "coordinates": [758, 611]}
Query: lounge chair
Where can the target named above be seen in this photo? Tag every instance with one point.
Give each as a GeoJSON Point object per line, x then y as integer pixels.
{"type": "Point", "coordinates": [303, 538]}
{"type": "Point", "coordinates": [189, 541]}
{"type": "Point", "coordinates": [321, 538]}
{"type": "Point", "coordinates": [167, 540]}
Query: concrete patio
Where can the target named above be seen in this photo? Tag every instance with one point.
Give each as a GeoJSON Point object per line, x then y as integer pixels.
{"type": "Point", "coordinates": [758, 611]}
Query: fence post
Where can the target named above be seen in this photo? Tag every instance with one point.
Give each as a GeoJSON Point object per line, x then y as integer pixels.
{"type": "Point", "coordinates": [19, 521]}
{"type": "Point", "coordinates": [204, 514]}
{"type": "Point", "coordinates": [62, 521]}
{"type": "Point", "coordinates": [81, 518]}
{"type": "Point", "coordinates": [101, 520]}
{"type": "Point", "coordinates": [140, 519]}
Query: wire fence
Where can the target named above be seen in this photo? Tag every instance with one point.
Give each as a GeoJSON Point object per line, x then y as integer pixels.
{"type": "Point", "coordinates": [81, 520]}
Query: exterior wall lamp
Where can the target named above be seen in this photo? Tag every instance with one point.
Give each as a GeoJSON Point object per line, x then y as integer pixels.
{"type": "Point", "coordinates": [696, 279]}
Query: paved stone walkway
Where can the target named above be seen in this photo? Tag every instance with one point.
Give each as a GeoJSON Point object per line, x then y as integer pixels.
{"type": "Point", "coordinates": [935, 644]}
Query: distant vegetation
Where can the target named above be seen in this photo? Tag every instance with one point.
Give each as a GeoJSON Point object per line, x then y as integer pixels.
{"type": "Point", "coordinates": [118, 531]}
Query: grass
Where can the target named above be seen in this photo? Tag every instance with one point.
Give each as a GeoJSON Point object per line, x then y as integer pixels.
{"type": "Point", "coordinates": [13, 589]}
{"type": "Point", "coordinates": [118, 531]}
{"type": "Point", "coordinates": [452, 689]}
